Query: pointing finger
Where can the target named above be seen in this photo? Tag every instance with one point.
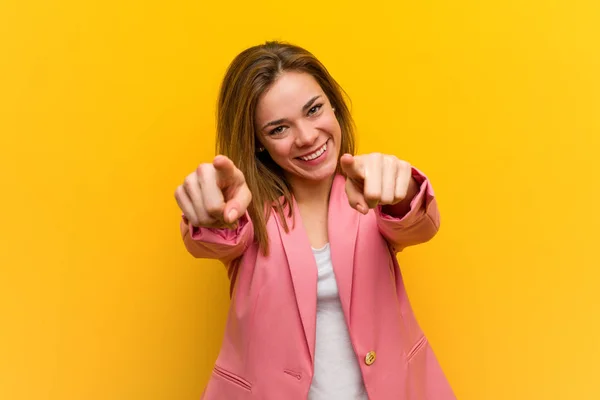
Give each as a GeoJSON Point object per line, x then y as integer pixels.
{"type": "Point", "coordinates": [226, 172]}
{"type": "Point", "coordinates": [352, 167]}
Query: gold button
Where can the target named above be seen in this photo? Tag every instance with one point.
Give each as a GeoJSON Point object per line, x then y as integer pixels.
{"type": "Point", "coordinates": [370, 357]}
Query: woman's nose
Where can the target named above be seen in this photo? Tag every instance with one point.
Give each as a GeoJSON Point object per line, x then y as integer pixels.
{"type": "Point", "coordinates": [306, 135]}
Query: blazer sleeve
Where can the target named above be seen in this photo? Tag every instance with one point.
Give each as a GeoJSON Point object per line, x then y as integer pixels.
{"type": "Point", "coordinates": [418, 225]}
{"type": "Point", "coordinates": [223, 244]}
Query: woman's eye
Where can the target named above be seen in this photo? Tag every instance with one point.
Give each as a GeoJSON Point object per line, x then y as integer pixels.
{"type": "Point", "coordinates": [278, 130]}
{"type": "Point", "coordinates": [315, 109]}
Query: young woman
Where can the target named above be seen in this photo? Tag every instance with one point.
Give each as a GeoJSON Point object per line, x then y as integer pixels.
{"type": "Point", "coordinates": [309, 233]}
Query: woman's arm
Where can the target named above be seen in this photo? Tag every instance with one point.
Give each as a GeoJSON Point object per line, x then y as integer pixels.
{"type": "Point", "coordinates": [218, 243]}
{"type": "Point", "coordinates": [415, 219]}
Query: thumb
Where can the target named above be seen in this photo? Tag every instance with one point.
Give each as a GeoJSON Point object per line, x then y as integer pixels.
{"type": "Point", "coordinates": [356, 197]}
{"type": "Point", "coordinates": [237, 205]}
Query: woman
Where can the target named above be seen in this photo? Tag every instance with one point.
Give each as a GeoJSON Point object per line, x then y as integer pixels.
{"type": "Point", "coordinates": [308, 232]}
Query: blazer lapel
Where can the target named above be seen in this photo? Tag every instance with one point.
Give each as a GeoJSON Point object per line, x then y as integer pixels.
{"type": "Point", "coordinates": [342, 229]}
{"type": "Point", "coordinates": [303, 270]}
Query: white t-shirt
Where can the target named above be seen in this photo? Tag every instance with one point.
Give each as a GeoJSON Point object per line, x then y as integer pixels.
{"type": "Point", "coordinates": [337, 373]}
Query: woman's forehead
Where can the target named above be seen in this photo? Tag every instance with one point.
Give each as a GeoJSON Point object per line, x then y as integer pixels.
{"type": "Point", "coordinates": [288, 94]}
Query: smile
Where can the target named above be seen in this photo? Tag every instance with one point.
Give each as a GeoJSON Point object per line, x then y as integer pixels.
{"type": "Point", "coordinates": [314, 155]}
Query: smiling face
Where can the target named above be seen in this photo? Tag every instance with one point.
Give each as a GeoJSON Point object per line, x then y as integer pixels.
{"type": "Point", "coordinates": [296, 124]}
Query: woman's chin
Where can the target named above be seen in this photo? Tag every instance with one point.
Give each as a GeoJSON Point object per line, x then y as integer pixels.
{"type": "Point", "coordinates": [323, 174]}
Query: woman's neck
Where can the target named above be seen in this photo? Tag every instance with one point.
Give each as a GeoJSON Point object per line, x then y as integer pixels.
{"type": "Point", "coordinates": [311, 193]}
{"type": "Point", "coordinates": [312, 199]}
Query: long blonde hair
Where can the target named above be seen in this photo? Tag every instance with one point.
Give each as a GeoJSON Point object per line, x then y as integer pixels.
{"type": "Point", "coordinates": [249, 75]}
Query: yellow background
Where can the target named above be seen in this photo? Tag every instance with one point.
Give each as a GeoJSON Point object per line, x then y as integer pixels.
{"type": "Point", "coordinates": [107, 105]}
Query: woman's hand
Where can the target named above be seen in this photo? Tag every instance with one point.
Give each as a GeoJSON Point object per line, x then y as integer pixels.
{"type": "Point", "coordinates": [378, 179]}
{"type": "Point", "coordinates": [215, 195]}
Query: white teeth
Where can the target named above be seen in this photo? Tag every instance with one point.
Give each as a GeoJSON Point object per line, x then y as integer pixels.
{"type": "Point", "coordinates": [315, 154]}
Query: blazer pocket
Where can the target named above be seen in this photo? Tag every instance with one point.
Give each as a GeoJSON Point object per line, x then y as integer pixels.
{"type": "Point", "coordinates": [416, 349]}
{"type": "Point", "coordinates": [232, 378]}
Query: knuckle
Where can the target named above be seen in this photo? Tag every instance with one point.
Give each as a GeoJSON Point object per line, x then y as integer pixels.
{"type": "Point", "coordinates": [403, 164]}
{"type": "Point", "coordinates": [189, 183]}
{"type": "Point", "coordinates": [390, 165]}
{"type": "Point", "coordinates": [387, 198]}
{"type": "Point", "coordinates": [204, 169]}
{"type": "Point", "coordinates": [400, 194]}
{"type": "Point", "coordinates": [190, 179]}
{"type": "Point", "coordinates": [398, 199]}
{"type": "Point", "coordinates": [372, 196]}
{"type": "Point", "coordinates": [178, 192]}
{"type": "Point", "coordinates": [371, 158]}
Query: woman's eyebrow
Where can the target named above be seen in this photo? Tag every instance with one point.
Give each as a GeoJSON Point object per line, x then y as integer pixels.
{"type": "Point", "coordinates": [276, 122]}
{"type": "Point", "coordinates": [310, 103]}
{"type": "Point", "coordinates": [305, 107]}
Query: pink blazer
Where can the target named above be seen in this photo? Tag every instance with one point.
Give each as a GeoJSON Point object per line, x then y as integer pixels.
{"type": "Point", "coordinates": [269, 344]}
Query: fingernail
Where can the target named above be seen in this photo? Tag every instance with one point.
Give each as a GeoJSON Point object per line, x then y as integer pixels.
{"type": "Point", "coordinates": [361, 209]}
{"type": "Point", "coordinates": [232, 215]}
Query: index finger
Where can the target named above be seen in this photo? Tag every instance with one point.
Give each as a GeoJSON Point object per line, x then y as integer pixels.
{"type": "Point", "coordinates": [225, 169]}
{"type": "Point", "coordinates": [352, 167]}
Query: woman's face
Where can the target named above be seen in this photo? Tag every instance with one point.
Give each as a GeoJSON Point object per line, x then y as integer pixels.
{"type": "Point", "coordinates": [296, 124]}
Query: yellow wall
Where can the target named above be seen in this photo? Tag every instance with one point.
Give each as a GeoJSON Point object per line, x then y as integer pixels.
{"type": "Point", "coordinates": [106, 106]}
